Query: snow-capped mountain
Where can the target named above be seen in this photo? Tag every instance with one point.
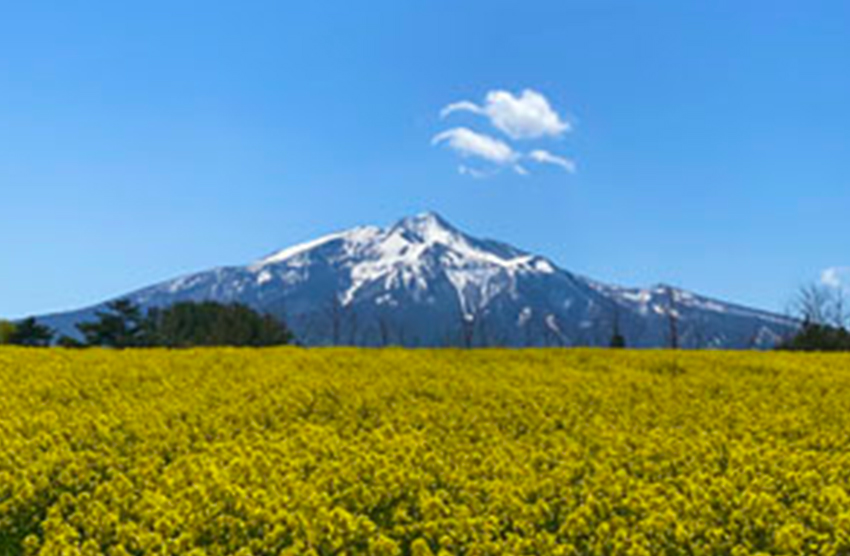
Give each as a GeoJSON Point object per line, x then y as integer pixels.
{"type": "Point", "coordinates": [422, 282]}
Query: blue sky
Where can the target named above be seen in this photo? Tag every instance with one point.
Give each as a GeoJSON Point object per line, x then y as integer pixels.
{"type": "Point", "coordinates": [139, 142]}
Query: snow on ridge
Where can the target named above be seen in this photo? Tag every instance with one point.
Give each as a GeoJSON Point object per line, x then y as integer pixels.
{"type": "Point", "coordinates": [432, 230]}
{"type": "Point", "coordinates": [290, 252]}
{"type": "Point", "coordinates": [404, 254]}
{"type": "Point", "coordinates": [357, 235]}
{"type": "Point", "coordinates": [655, 298]}
{"type": "Point", "coordinates": [371, 252]}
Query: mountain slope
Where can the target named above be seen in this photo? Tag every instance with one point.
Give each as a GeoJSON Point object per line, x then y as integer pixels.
{"type": "Point", "coordinates": [422, 282]}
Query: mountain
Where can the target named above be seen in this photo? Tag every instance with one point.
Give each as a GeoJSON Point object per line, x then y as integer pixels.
{"type": "Point", "coordinates": [422, 282]}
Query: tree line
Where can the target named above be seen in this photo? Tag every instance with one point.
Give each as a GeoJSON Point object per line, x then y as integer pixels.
{"type": "Point", "coordinates": [822, 312]}
{"type": "Point", "coordinates": [123, 324]}
{"type": "Point", "coordinates": [824, 317]}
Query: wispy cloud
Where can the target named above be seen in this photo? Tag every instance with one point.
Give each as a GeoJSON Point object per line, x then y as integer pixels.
{"type": "Point", "coordinates": [527, 116]}
{"type": "Point", "coordinates": [545, 157]}
{"type": "Point", "coordinates": [475, 173]}
{"type": "Point", "coordinates": [470, 143]}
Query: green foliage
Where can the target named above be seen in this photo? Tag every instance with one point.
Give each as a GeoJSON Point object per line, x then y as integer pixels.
{"type": "Point", "coordinates": [618, 341]}
{"type": "Point", "coordinates": [122, 325]}
{"type": "Point", "coordinates": [28, 333]}
{"type": "Point", "coordinates": [213, 324]}
{"type": "Point", "coordinates": [818, 337]}
{"type": "Point", "coordinates": [183, 325]}
{"type": "Point", "coordinates": [69, 342]}
{"type": "Point", "coordinates": [7, 332]}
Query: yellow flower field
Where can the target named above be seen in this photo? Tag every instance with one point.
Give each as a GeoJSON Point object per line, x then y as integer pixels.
{"type": "Point", "coordinates": [394, 452]}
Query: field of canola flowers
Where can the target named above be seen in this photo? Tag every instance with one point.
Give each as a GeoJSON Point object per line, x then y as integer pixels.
{"type": "Point", "coordinates": [393, 452]}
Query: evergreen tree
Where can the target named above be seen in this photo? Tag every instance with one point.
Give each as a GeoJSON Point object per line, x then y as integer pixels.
{"type": "Point", "coordinates": [30, 333]}
{"type": "Point", "coordinates": [214, 324]}
{"type": "Point", "coordinates": [69, 342]}
{"type": "Point", "coordinates": [818, 337]}
{"type": "Point", "coordinates": [184, 324]}
{"type": "Point", "coordinates": [617, 341]}
{"type": "Point", "coordinates": [617, 338]}
{"type": "Point", "coordinates": [7, 332]}
{"type": "Point", "coordinates": [122, 325]}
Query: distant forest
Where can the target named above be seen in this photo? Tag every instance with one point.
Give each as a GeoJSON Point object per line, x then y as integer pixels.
{"type": "Point", "coordinates": [183, 325]}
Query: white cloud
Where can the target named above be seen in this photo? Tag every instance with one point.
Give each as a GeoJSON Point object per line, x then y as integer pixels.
{"type": "Point", "coordinates": [462, 106]}
{"type": "Point", "coordinates": [527, 116]}
{"type": "Point", "coordinates": [545, 157]}
{"type": "Point", "coordinates": [468, 143]}
{"type": "Point", "coordinates": [836, 277]}
{"type": "Point", "coordinates": [476, 173]}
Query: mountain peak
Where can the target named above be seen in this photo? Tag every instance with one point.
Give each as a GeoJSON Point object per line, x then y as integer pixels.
{"type": "Point", "coordinates": [429, 228]}
{"type": "Point", "coordinates": [426, 224]}
{"type": "Point", "coordinates": [426, 227]}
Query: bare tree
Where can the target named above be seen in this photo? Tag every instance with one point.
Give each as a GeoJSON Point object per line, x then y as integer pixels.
{"type": "Point", "coordinates": [617, 339]}
{"type": "Point", "coordinates": [472, 326]}
{"type": "Point", "coordinates": [698, 334]}
{"type": "Point", "coordinates": [449, 338]}
{"type": "Point", "coordinates": [753, 339]}
{"type": "Point", "coordinates": [529, 333]}
{"type": "Point", "coordinates": [335, 316]}
{"type": "Point", "coordinates": [821, 304]}
{"type": "Point", "coordinates": [584, 337]}
{"type": "Point", "coordinates": [672, 315]}
{"type": "Point", "coordinates": [401, 333]}
{"type": "Point", "coordinates": [484, 337]}
{"type": "Point", "coordinates": [498, 336]}
{"type": "Point", "coordinates": [352, 325]}
{"type": "Point", "coordinates": [384, 329]}
{"type": "Point", "coordinates": [339, 318]}
{"type": "Point", "coordinates": [548, 335]}
{"type": "Point", "coordinates": [811, 304]}
{"type": "Point", "coordinates": [467, 329]}
{"type": "Point", "coordinates": [839, 312]}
